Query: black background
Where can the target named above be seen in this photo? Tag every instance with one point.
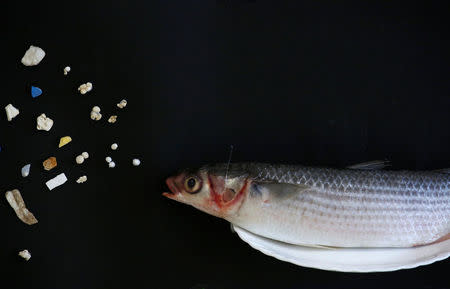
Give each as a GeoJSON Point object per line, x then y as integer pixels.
{"type": "Point", "coordinates": [310, 83]}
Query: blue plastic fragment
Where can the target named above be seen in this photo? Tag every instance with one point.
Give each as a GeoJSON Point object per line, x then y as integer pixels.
{"type": "Point", "coordinates": [35, 91]}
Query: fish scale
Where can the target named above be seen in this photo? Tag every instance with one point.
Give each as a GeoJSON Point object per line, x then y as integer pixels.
{"type": "Point", "coordinates": [347, 208]}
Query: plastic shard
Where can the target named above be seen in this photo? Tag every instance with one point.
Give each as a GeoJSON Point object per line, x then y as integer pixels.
{"type": "Point", "coordinates": [33, 56]}
{"type": "Point", "coordinates": [35, 91]}
{"type": "Point", "coordinates": [44, 122]}
{"type": "Point", "coordinates": [82, 179]}
{"type": "Point", "coordinates": [15, 200]}
{"type": "Point", "coordinates": [25, 171]}
{"type": "Point", "coordinates": [56, 181]}
{"type": "Point", "coordinates": [11, 112]}
{"type": "Point", "coordinates": [64, 140]}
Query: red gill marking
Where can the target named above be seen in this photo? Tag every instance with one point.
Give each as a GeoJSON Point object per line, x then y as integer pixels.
{"type": "Point", "coordinates": [218, 199]}
{"type": "Point", "coordinates": [214, 194]}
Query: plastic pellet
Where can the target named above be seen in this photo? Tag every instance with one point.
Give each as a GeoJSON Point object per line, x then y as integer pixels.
{"type": "Point", "coordinates": [114, 146]}
{"type": "Point", "coordinates": [79, 159]}
{"type": "Point", "coordinates": [136, 162]}
{"type": "Point", "coordinates": [112, 164]}
{"type": "Point", "coordinates": [108, 159]}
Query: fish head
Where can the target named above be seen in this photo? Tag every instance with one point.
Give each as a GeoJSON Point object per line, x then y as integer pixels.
{"type": "Point", "coordinates": [210, 190]}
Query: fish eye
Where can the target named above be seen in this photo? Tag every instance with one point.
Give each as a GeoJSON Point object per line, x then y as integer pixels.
{"type": "Point", "coordinates": [192, 185]}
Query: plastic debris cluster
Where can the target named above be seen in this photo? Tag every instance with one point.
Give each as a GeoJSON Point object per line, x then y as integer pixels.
{"type": "Point", "coordinates": [33, 56]}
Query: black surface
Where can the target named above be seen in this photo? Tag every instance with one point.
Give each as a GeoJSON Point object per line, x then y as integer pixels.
{"type": "Point", "coordinates": [311, 83]}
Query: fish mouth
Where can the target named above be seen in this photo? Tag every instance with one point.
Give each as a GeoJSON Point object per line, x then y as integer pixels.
{"type": "Point", "coordinates": [173, 189]}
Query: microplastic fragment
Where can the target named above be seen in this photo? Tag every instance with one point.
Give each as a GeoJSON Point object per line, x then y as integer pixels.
{"type": "Point", "coordinates": [66, 70]}
{"type": "Point", "coordinates": [82, 179]}
{"type": "Point", "coordinates": [44, 122]}
{"type": "Point", "coordinates": [85, 87]}
{"type": "Point", "coordinates": [11, 112]}
{"type": "Point", "coordinates": [15, 200]}
{"type": "Point", "coordinates": [56, 181]}
{"type": "Point", "coordinates": [79, 159]}
{"type": "Point", "coordinates": [33, 56]}
{"type": "Point", "coordinates": [64, 140]}
{"type": "Point", "coordinates": [25, 254]}
{"type": "Point", "coordinates": [50, 163]}
{"type": "Point", "coordinates": [112, 119]}
{"type": "Point", "coordinates": [25, 171]}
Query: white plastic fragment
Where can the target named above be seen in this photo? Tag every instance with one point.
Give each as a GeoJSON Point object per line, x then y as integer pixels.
{"type": "Point", "coordinates": [66, 70]}
{"type": "Point", "coordinates": [112, 119]}
{"type": "Point", "coordinates": [11, 112]}
{"type": "Point", "coordinates": [33, 56]}
{"type": "Point", "coordinates": [85, 87]}
{"type": "Point", "coordinates": [85, 155]}
{"type": "Point", "coordinates": [56, 181]}
{"type": "Point", "coordinates": [25, 171]}
{"type": "Point", "coordinates": [114, 146]}
{"type": "Point", "coordinates": [82, 179]}
{"type": "Point", "coordinates": [79, 159]}
{"type": "Point", "coordinates": [108, 159]}
{"type": "Point", "coordinates": [25, 254]}
{"type": "Point", "coordinates": [136, 162]}
{"type": "Point", "coordinates": [112, 164]}
{"type": "Point", "coordinates": [95, 113]}
{"type": "Point", "coordinates": [44, 122]}
{"type": "Point", "coordinates": [122, 103]}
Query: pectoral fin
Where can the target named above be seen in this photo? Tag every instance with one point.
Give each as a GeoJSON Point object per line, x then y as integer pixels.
{"type": "Point", "coordinates": [278, 191]}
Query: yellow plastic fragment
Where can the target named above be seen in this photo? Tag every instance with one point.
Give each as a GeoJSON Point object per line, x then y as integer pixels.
{"type": "Point", "coordinates": [64, 140]}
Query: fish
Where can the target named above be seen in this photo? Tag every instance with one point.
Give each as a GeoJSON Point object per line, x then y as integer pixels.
{"type": "Point", "coordinates": [356, 219]}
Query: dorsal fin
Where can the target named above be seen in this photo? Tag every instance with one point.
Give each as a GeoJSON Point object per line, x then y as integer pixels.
{"type": "Point", "coordinates": [372, 165]}
{"type": "Point", "coordinates": [443, 171]}
{"type": "Point", "coordinates": [348, 259]}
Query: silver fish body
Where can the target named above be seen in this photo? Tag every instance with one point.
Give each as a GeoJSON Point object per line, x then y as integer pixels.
{"type": "Point", "coordinates": [342, 208]}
